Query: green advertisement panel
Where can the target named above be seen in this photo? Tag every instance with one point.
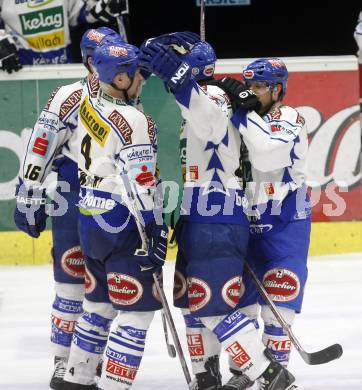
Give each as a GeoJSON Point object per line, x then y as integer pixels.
{"type": "Point", "coordinates": [21, 103]}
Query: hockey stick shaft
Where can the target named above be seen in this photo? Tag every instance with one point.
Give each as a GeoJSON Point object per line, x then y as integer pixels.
{"type": "Point", "coordinates": [166, 309]}
{"type": "Point", "coordinates": [320, 357]}
{"type": "Point", "coordinates": [202, 20]}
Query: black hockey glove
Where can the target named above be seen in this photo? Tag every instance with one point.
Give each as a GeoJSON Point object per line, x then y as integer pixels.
{"type": "Point", "coordinates": [9, 57]}
{"type": "Point", "coordinates": [239, 94]}
{"type": "Point", "coordinates": [107, 10]}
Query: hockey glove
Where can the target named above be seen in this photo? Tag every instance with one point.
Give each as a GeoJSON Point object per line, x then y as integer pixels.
{"type": "Point", "coordinates": [186, 39]}
{"type": "Point", "coordinates": [166, 64]}
{"type": "Point", "coordinates": [9, 57]}
{"type": "Point", "coordinates": [157, 246]}
{"type": "Point", "coordinates": [105, 10]}
{"type": "Point", "coordinates": [239, 94]}
{"type": "Point", "coordinates": [29, 214]}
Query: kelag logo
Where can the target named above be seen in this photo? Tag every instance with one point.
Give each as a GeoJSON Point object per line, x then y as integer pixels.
{"type": "Point", "coordinates": [42, 21]}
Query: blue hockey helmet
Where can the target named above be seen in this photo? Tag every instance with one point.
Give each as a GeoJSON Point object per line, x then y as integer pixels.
{"type": "Point", "coordinates": [92, 38]}
{"type": "Point", "coordinates": [202, 60]}
{"type": "Point", "coordinates": [271, 70]}
{"type": "Point", "coordinates": [113, 58]}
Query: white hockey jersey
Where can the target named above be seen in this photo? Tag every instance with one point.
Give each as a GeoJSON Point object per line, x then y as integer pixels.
{"type": "Point", "coordinates": [277, 146]}
{"type": "Point", "coordinates": [117, 151]}
{"type": "Point", "coordinates": [210, 147]}
{"type": "Point", "coordinates": [40, 28]}
{"type": "Point", "coordinates": [53, 142]}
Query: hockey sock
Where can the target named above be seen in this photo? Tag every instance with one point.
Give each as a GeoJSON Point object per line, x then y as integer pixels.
{"type": "Point", "coordinates": [124, 350]}
{"type": "Point", "coordinates": [90, 337]}
{"type": "Point", "coordinates": [275, 338]}
{"type": "Point", "coordinates": [67, 307]}
{"type": "Point", "coordinates": [201, 341]}
{"type": "Point", "coordinates": [240, 339]}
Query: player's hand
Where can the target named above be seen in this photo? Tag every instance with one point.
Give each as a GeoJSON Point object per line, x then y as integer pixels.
{"type": "Point", "coordinates": [186, 39]}
{"type": "Point", "coordinates": [9, 57]}
{"type": "Point", "coordinates": [157, 246]}
{"type": "Point", "coordinates": [239, 94]}
{"type": "Point", "coordinates": [105, 10]}
{"type": "Point", "coordinates": [29, 214]}
{"type": "Point", "coordinates": [166, 64]}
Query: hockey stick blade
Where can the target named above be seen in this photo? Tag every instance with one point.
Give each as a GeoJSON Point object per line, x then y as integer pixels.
{"type": "Point", "coordinates": [326, 355]}
{"type": "Point", "coordinates": [320, 357]}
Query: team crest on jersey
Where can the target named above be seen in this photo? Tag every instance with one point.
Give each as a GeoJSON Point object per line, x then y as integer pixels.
{"type": "Point", "coordinates": [124, 289]}
{"type": "Point", "coordinates": [199, 293]}
{"type": "Point", "coordinates": [73, 262]}
{"type": "Point", "coordinates": [233, 290]}
{"type": "Point", "coordinates": [90, 282]}
{"type": "Point", "coordinates": [281, 284]}
{"type": "Point", "coordinates": [96, 127]}
{"type": "Point", "coordinates": [179, 285]}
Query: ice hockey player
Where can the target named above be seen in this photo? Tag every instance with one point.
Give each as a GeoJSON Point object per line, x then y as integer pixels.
{"type": "Point", "coordinates": [117, 150]}
{"type": "Point", "coordinates": [52, 147]}
{"type": "Point", "coordinates": [215, 230]}
{"type": "Point", "coordinates": [38, 32]}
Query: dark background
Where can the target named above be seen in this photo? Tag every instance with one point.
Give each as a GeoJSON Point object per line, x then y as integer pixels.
{"type": "Point", "coordinates": [264, 28]}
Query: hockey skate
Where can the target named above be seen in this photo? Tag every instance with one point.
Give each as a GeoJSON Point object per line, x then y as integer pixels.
{"type": "Point", "coordinates": [211, 379]}
{"type": "Point", "coordinates": [238, 381]}
{"type": "Point", "coordinates": [60, 366]}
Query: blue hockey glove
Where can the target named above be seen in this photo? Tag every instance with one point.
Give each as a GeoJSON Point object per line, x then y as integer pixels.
{"type": "Point", "coordinates": [157, 246]}
{"type": "Point", "coordinates": [186, 39]}
{"type": "Point", "coordinates": [29, 214]}
{"type": "Point", "coordinates": [166, 64]}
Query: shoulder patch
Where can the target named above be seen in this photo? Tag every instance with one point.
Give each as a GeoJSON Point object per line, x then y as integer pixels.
{"type": "Point", "coordinates": [51, 98]}
{"type": "Point", "coordinates": [122, 125]}
{"type": "Point", "coordinates": [69, 103]}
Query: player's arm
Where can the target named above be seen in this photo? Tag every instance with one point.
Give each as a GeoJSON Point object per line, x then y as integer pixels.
{"type": "Point", "coordinates": [270, 144]}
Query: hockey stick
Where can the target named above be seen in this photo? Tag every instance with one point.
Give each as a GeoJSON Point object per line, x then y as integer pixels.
{"type": "Point", "coordinates": [166, 309]}
{"type": "Point", "coordinates": [202, 20]}
{"type": "Point", "coordinates": [325, 355]}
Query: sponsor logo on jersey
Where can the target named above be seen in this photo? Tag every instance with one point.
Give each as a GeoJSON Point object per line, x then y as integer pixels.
{"type": "Point", "coordinates": [122, 125]}
{"type": "Point", "coordinates": [90, 282]}
{"type": "Point", "coordinates": [233, 290]}
{"type": "Point", "coordinates": [269, 188]}
{"type": "Point", "coordinates": [238, 354]}
{"type": "Point", "coordinates": [93, 86]}
{"type": "Point", "coordinates": [118, 369]}
{"type": "Point", "coordinates": [73, 262]}
{"type": "Point", "coordinates": [49, 120]}
{"type": "Point", "coordinates": [146, 176]}
{"type": "Point", "coordinates": [195, 344]}
{"type": "Point", "coordinates": [38, 3]}
{"type": "Point", "coordinates": [199, 293]}
{"type": "Point", "coordinates": [48, 41]}
{"type": "Point", "coordinates": [95, 126]}
{"type": "Point", "coordinates": [42, 143]}
{"type": "Point", "coordinates": [279, 345]}
{"type": "Point", "coordinates": [151, 129]}
{"type": "Point", "coordinates": [42, 21]}
{"type": "Point", "coordinates": [282, 285]}
{"type": "Point", "coordinates": [70, 102]}
{"type": "Point", "coordinates": [193, 172]}
{"type": "Point", "coordinates": [140, 153]}
{"type": "Point", "coordinates": [89, 180]}
{"type": "Point", "coordinates": [260, 229]}
{"type": "Point", "coordinates": [64, 325]}
{"type": "Point", "coordinates": [92, 204]}
{"type": "Point", "coordinates": [179, 285]}
{"type": "Point", "coordinates": [123, 289]}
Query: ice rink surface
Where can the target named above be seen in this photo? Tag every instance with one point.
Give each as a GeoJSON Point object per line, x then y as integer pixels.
{"type": "Point", "coordinates": [332, 313]}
